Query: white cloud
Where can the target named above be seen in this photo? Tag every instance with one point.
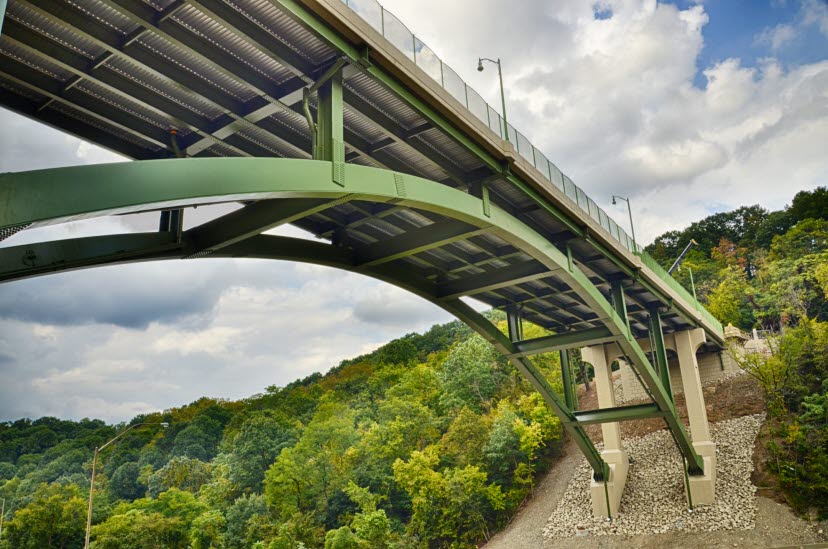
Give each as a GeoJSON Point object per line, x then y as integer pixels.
{"type": "Point", "coordinates": [777, 36]}
{"type": "Point", "coordinates": [212, 341]}
{"type": "Point", "coordinates": [815, 12]}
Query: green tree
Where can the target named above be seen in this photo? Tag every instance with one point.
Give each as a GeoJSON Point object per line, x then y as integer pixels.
{"type": "Point", "coordinates": [778, 222]}
{"type": "Point", "coordinates": [463, 442]}
{"type": "Point", "coordinates": [810, 204]}
{"type": "Point", "coordinates": [180, 472]}
{"type": "Point", "coordinates": [7, 470]}
{"type": "Point", "coordinates": [729, 300]}
{"type": "Point", "coordinates": [453, 507]}
{"type": "Point", "coordinates": [256, 446]}
{"type": "Point", "coordinates": [206, 531]}
{"type": "Point", "coordinates": [791, 290]}
{"type": "Point", "coordinates": [470, 374]}
{"type": "Point", "coordinates": [240, 517]}
{"type": "Point", "coordinates": [399, 351]}
{"type": "Point", "coordinates": [305, 478]}
{"type": "Point", "coordinates": [503, 451]}
{"type": "Point", "coordinates": [809, 236]}
{"type": "Point", "coordinates": [125, 483]}
{"type": "Point", "coordinates": [55, 517]}
{"type": "Point", "coordinates": [136, 529]}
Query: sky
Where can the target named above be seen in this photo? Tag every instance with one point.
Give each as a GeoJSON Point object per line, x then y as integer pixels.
{"type": "Point", "coordinates": [687, 107]}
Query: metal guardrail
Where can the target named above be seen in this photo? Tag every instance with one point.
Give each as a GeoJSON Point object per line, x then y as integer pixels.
{"type": "Point", "coordinates": [662, 273]}
{"type": "Point", "coordinates": [389, 26]}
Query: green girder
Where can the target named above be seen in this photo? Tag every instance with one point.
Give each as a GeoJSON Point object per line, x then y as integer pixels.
{"type": "Point", "coordinates": [621, 413]}
{"type": "Point", "coordinates": [68, 194]}
{"type": "Point", "coordinates": [563, 341]}
{"type": "Point", "coordinates": [359, 55]}
{"type": "Point", "coordinates": [659, 351]}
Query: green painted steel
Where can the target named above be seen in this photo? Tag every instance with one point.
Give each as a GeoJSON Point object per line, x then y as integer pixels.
{"type": "Point", "coordinates": [417, 240]}
{"type": "Point", "coordinates": [660, 351]}
{"type": "Point", "coordinates": [514, 323]}
{"type": "Point", "coordinates": [565, 340]}
{"type": "Point", "coordinates": [330, 122]}
{"type": "Point", "coordinates": [65, 194]}
{"type": "Point", "coordinates": [688, 311]}
{"type": "Point", "coordinates": [566, 378]}
{"type": "Point", "coordinates": [621, 413]}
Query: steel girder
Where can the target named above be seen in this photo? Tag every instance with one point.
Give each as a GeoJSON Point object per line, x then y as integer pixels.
{"type": "Point", "coordinates": [315, 21]}
{"type": "Point", "coordinates": [65, 194]}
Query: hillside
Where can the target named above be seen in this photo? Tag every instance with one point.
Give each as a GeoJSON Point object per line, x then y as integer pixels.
{"type": "Point", "coordinates": [430, 441]}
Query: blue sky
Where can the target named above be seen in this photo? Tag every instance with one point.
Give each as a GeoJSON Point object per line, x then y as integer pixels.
{"type": "Point", "coordinates": [736, 25]}
{"type": "Point", "coordinates": [686, 108]}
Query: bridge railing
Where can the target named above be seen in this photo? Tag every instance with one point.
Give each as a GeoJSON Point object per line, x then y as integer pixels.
{"type": "Point", "coordinates": [389, 26]}
{"type": "Point", "coordinates": [676, 285]}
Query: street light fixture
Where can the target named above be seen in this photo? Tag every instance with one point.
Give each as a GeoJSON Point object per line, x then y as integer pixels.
{"type": "Point", "coordinates": [502, 95]}
{"type": "Point", "coordinates": [95, 461]}
{"type": "Point", "coordinates": [629, 210]}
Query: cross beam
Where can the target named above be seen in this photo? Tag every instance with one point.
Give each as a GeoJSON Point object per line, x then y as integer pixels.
{"type": "Point", "coordinates": [249, 221]}
{"type": "Point", "coordinates": [621, 413]}
{"type": "Point", "coordinates": [566, 340]}
{"type": "Point", "coordinates": [418, 240]}
{"type": "Point", "coordinates": [492, 280]}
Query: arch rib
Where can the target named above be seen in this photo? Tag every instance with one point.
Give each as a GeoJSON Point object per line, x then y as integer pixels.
{"type": "Point", "coordinates": [58, 195]}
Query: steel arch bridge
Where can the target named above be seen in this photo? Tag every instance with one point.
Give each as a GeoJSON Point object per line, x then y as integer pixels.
{"type": "Point", "coordinates": [306, 115]}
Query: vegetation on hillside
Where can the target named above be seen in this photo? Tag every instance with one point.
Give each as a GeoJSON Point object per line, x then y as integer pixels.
{"type": "Point", "coordinates": [769, 270]}
{"type": "Point", "coordinates": [430, 441]}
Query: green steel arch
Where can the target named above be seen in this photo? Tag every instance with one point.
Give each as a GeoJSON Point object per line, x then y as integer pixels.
{"type": "Point", "coordinates": [278, 191]}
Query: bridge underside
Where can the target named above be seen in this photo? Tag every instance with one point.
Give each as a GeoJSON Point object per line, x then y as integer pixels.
{"type": "Point", "coordinates": [422, 219]}
{"type": "Point", "coordinates": [304, 119]}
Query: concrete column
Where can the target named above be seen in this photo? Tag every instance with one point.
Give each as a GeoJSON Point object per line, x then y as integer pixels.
{"type": "Point", "coordinates": [703, 487]}
{"type": "Point", "coordinates": [606, 497]}
{"type": "Point", "coordinates": [597, 356]}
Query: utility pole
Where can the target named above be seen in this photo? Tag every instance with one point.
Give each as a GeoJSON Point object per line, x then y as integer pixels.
{"type": "Point", "coordinates": [94, 463]}
{"type": "Point", "coordinates": [2, 514]}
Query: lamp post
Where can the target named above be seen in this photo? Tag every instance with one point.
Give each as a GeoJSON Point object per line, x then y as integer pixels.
{"type": "Point", "coordinates": [629, 210]}
{"type": "Point", "coordinates": [502, 94]}
{"type": "Point", "coordinates": [94, 463]}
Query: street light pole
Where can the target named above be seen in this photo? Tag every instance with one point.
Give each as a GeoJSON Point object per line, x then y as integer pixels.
{"type": "Point", "coordinates": [502, 93]}
{"type": "Point", "coordinates": [94, 463]}
{"type": "Point", "coordinates": [629, 210]}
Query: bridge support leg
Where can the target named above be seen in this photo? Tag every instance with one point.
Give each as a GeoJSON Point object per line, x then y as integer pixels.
{"type": "Point", "coordinates": [606, 495]}
{"type": "Point", "coordinates": [702, 488]}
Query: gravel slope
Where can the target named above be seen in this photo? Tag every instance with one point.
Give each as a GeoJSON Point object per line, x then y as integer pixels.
{"type": "Point", "coordinates": [775, 523]}
{"type": "Point", "coordinates": [654, 499]}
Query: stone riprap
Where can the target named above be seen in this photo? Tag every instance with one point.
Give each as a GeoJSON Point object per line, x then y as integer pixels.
{"type": "Point", "coordinates": [654, 499]}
